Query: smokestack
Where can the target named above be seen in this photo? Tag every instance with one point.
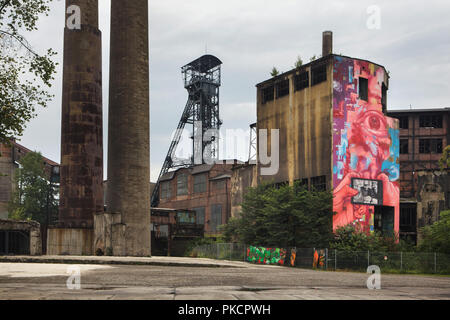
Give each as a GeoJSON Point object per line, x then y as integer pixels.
{"type": "Point", "coordinates": [327, 43]}
{"type": "Point", "coordinates": [81, 190]}
{"type": "Point", "coordinates": [128, 192]}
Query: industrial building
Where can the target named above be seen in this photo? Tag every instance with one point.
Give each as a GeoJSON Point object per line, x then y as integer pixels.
{"type": "Point", "coordinates": [424, 187]}
{"type": "Point", "coordinates": [334, 135]}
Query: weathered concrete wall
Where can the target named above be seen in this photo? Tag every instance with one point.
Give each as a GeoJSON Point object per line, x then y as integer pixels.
{"type": "Point", "coordinates": [73, 242]}
{"type": "Point", "coordinates": [432, 196]}
{"type": "Point", "coordinates": [304, 120]}
{"type": "Point", "coordinates": [129, 126]}
{"type": "Point", "coordinates": [81, 194]}
{"type": "Point", "coordinates": [7, 168]}
{"type": "Point", "coordinates": [28, 226]}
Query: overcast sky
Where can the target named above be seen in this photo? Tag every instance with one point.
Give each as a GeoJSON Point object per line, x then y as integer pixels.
{"type": "Point", "coordinates": [251, 37]}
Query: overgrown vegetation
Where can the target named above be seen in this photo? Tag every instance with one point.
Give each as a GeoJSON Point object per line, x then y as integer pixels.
{"type": "Point", "coordinates": [436, 238]}
{"type": "Point", "coordinates": [283, 217]}
{"type": "Point", "coordinates": [34, 197]}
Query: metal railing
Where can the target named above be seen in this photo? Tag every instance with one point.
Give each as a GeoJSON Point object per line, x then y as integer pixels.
{"type": "Point", "coordinates": [330, 259]}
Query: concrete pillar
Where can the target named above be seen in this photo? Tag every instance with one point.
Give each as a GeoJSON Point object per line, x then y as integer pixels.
{"type": "Point", "coordinates": [81, 193]}
{"type": "Point", "coordinates": [128, 191]}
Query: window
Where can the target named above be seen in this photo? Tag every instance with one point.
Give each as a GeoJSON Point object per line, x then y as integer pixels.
{"type": "Point", "coordinates": [182, 185]}
{"type": "Point", "coordinates": [404, 122]}
{"type": "Point", "coordinates": [430, 146]}
{"type": "Point", "coordinates": [166, 190]}
{"type": "Point", "coordinates": [200, 215]}
{"type": "Point", "coordinates": [216, 217]}
{"type": "Point", "coordinates": [430, 121]}
{"type": "Point", "coordinates": [404, 146]}
{"type": "Point", "coordinates": [319, 183]}
{"type": "Point", "coordinates": [319, 74]}
{"type": "Point", "coordinates": [267, 94]}
{"type": "Point", "coordinates": [363, 89]}
{"type": "Point", "coordinates": [408, 218]}
{"type": "Point", "coordinates": [219, 184]}
{"type": "Point", "coordinates": [200, 183]}
{"type": "Point", "coordinates": [384, 97]}
{"type": "Point", "coordinates": [301, 81]}
{"type": "Point", "coordinates": [282, 88]}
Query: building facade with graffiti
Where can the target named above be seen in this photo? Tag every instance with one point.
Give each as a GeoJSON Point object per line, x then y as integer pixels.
{"type": "Point", "coordinates": [334, 135]}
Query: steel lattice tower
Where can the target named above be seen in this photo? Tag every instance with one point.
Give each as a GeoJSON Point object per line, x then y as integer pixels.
{"type": "Point", "coordinates": [202, 79]}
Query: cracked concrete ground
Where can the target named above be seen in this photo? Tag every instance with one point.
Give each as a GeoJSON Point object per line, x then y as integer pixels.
{"type": "Point", "coordinates": [248, 282]}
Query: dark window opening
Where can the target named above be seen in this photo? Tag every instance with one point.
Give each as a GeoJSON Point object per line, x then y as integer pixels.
{"type": "Point", "coordinates": [404, 122]}
{"type": "Point", "coordinates": [430, 146]}
{"type": "Point", "coordinates": [408, 218]}
{"type": "Point", "coordinates": [384, 220]}
{"type": "Point", "coordinates": [431, 121]}
{"type": "Point", "coordinates": [200, 183]}
{"type": "Point", "coordinates": [182, 185]}
{"type": "Point", "coordinates": [319, 74]}
{"type": "Point", "coordinates": [200, 212]}
{"type": "Point", "coordinates": [319, 183]}
{"type": "Point", "coordinates": [404, 146]}
{"type": "Point", "coordinates": [216, 217]}
{"type": "Point", "coordinates": [384, 97]}
{"type": "Point", "coordinates": [363, 89]}
{"type": "Point", "coordinates": [301, 81]}
{"type": "Point", "coordinates": [267, 94]}
{"type": "Point", "coordinates": [282, 88]}
{"type": "Point", "coordinates": [166, 190]}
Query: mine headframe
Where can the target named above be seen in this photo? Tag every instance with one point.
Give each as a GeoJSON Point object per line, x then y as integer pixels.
{"type": "Point", "coordinates": [202, 79]}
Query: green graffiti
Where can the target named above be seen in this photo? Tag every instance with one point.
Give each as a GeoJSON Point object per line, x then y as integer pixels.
{"type": "Point", "coordinates": [266, 255]}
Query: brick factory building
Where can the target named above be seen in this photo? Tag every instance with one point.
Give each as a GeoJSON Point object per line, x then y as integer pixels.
{"type": "Point", "coordinates": [424, 187]}
{"type": "Point", "coordinates": [205, 189]}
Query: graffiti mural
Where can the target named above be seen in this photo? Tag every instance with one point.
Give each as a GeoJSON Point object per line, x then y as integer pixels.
{"type": "Point", "coordinates": [365, 146]}
{"type": "Point", "coordinates": [260, 255]}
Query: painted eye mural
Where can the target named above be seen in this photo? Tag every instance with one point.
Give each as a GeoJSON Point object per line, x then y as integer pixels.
{"type": "Point", "coordinates": [365, 150]}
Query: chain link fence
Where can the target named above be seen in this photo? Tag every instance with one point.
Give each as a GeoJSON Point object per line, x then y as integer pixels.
{"type": "Point", "coordinates": [329, 259]}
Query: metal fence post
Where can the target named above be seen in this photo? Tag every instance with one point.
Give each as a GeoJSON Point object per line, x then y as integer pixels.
{"type": "Point", "coordinates": [326, 259]}
{"type": "Point", "coordinates": [368, 258]}
{"type": "Point", "coordinates": [401, 261]}
{"type": "Point", "coordinates": [335, 259]}
{"type": "Point", "coordinates": [231, 250]}
{"type": "Point", "coordinates": [435, 262]}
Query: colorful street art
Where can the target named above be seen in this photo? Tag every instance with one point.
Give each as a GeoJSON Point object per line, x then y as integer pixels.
{"type": "Point", "coordinates": [365, 147]}
{"type": "Point", "coordinates": [319, 259]}
{"type": "Point", "coordinates": [293, 257]}
{"type": "Point", "coordinates": [266, 255]}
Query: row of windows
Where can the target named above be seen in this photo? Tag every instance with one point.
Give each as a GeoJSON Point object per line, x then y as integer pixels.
{"type": "Point", "coordinates": [301, 81]}
{"type": "Point", "coordinates": [200, 182]}
{"type": "Point", "coordinates": [425, 121]}
{"type": "Point", "coordinates": [316, 183]}
{"type": "Point", "coordinates": [425, 146]}
{"type": "Point", "coordinates": [216, 216]}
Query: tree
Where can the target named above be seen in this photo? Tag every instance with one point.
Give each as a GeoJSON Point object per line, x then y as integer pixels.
{"type": "Point", "coordinates": [298, 63]}
{"type": "Point", "coordinates": [274, 72]}
{"type": "Point", "coordinates": [23, 72]}
{"type": "Point", "coordinates": [34, 198]}
{"type": "Point", "coordinates": [444, 162]}
{"type": "Point", "coordinates": [436, 238]}
{"type": "Point", "coordinates": [285, 217]}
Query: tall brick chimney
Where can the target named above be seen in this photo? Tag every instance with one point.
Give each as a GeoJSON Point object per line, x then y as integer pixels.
{"type": "Point", "coordinates": [128, 192]}
{"type": "Point", "coordinates": [327, 43]}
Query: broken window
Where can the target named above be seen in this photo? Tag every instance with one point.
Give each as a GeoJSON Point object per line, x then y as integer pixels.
{"type": "Point", "coordinates": [165, 190]}
{"type": "Point", "coordinates": [282, 88]}
{"type": "Point", "coordinates": [430, 121]}
{"type": "Point", "coordinates": [384, 97]}
{"type": "Point", "coordinates": [301, 81]}
{"type": "Point", "coordinates": [267, 94]}
{"type": "Point", "coordinates": [363, 89]}
{"type": "Point", "coordinates": [182, 185]}
{"type": "Point", "coordinates": [404, 146]}
{"type": "Point", "coordinates": [430, 146]}
{"type": "Point", "coordinates": [319, 74]}
{"type": "Point", "coordinates": [319, 183]}
{"type": "Point", "coordinates": [200, 183]}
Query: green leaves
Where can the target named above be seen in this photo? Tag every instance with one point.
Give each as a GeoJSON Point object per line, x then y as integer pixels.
{"type": "Point", "coordinates": [282, 217]}
{"type": "Point", "coordinates": [22, 71]}
{"type": "Point", "coordinates": [33, 193]}
{"type": "Point", "coordinates": [444, 162]}
{"type": "Point", "coordinates": [436, 238]}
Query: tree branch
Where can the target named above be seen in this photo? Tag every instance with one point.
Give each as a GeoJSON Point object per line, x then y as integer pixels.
{"type": "Point", "coordinates": [21, 41]}
{"type": "Point", "coordinates": [7, 2]}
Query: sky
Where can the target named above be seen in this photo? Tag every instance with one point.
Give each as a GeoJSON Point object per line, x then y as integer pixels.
{"type": "Point", "coordinates": [410, 38]}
